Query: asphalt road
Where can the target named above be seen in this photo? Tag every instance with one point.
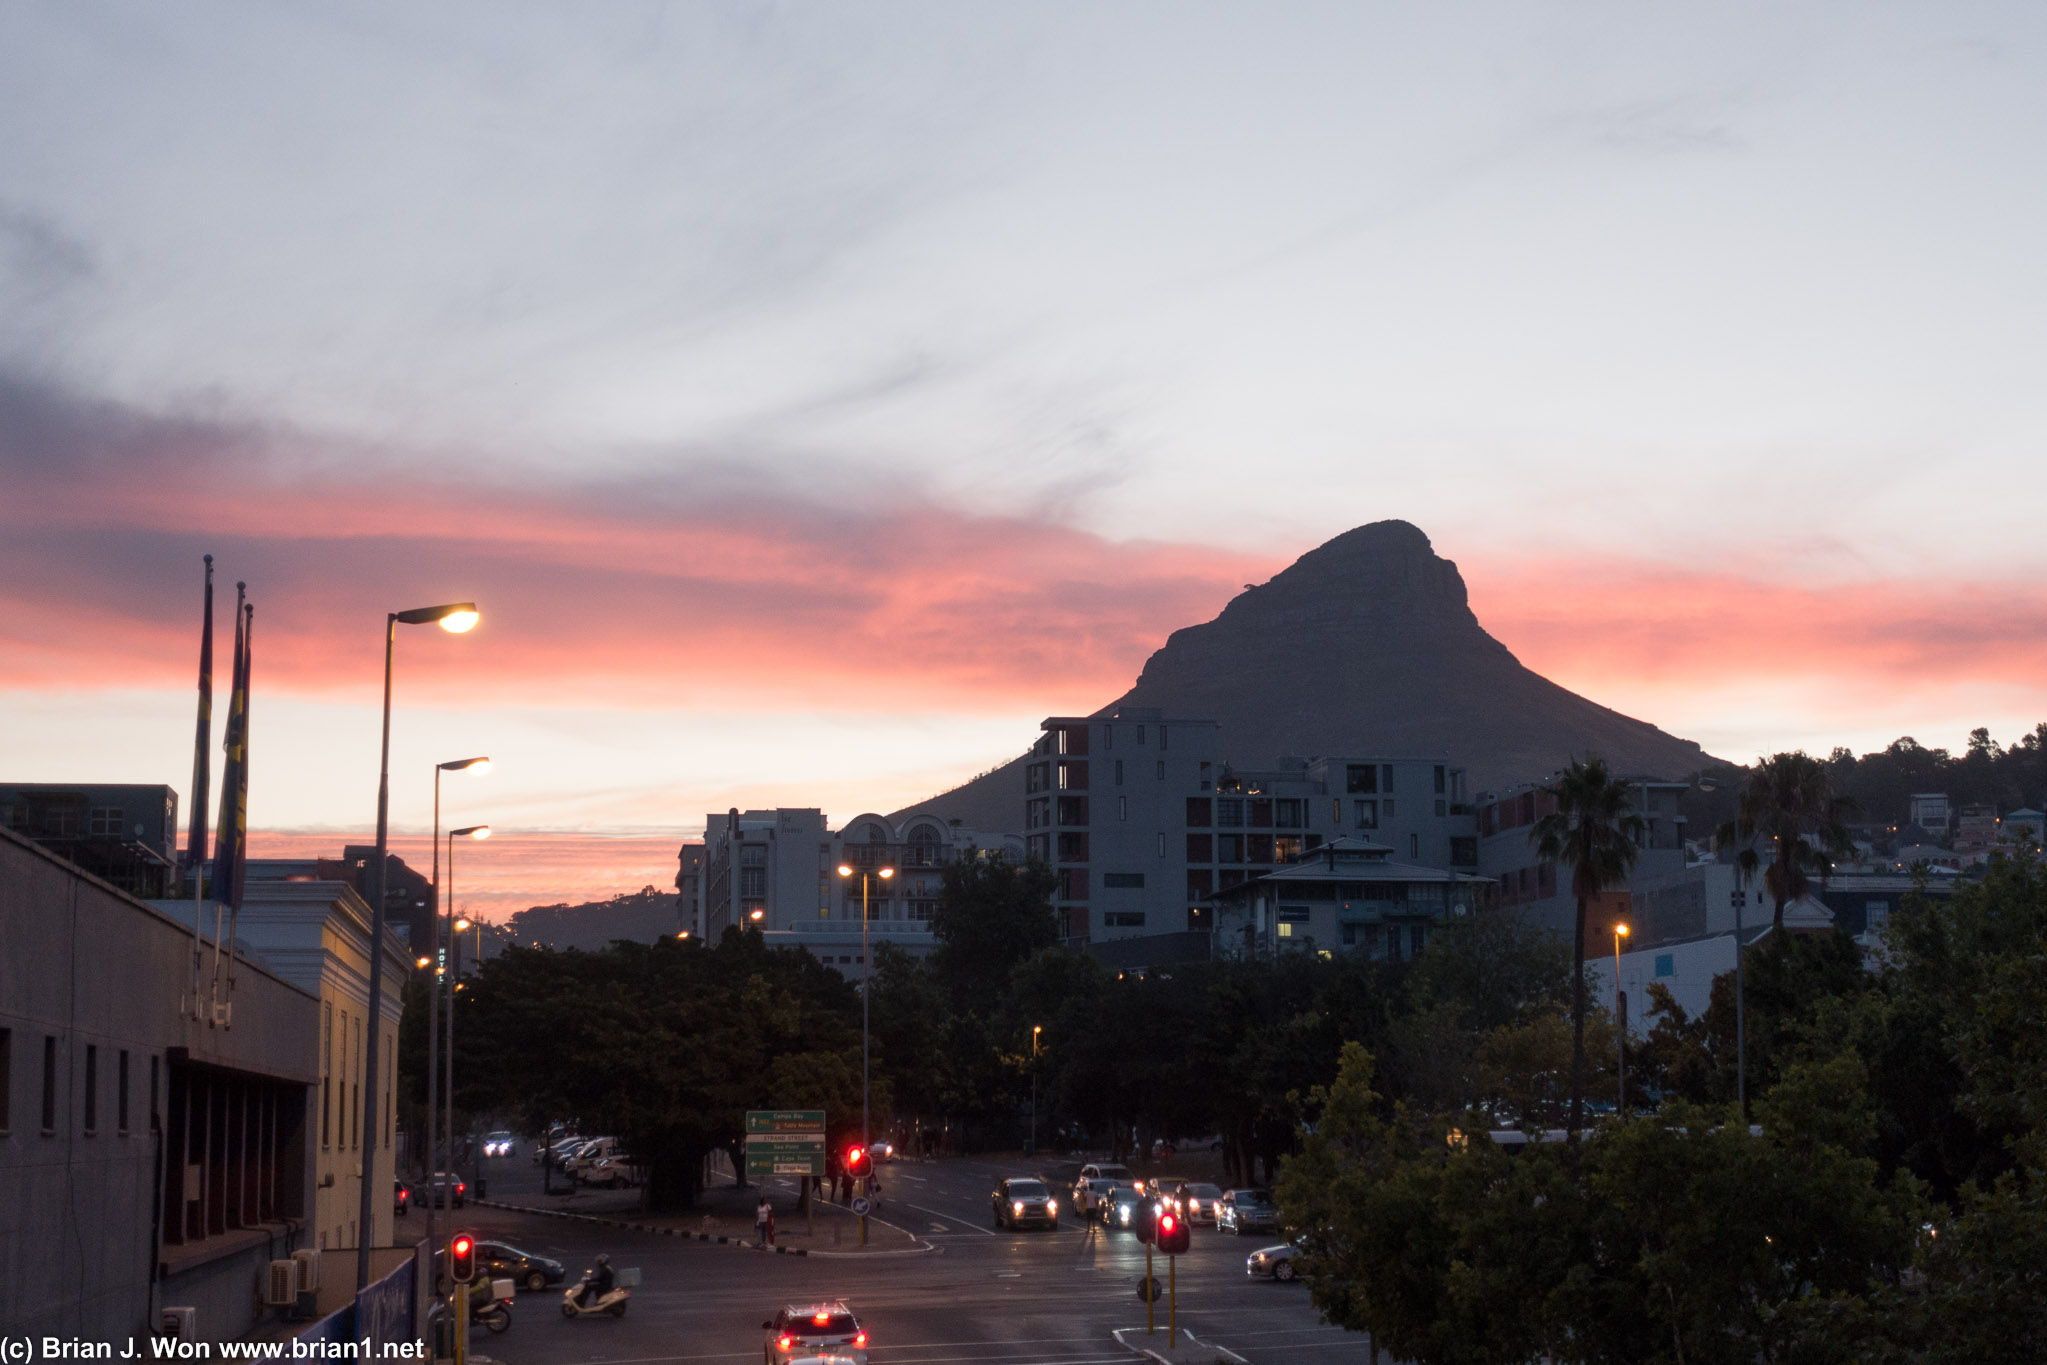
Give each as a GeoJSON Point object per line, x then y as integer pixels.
{"type": "Point", "coordinates": [978, 1296]}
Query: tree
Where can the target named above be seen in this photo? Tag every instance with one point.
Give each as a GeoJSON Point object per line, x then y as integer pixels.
{"type": "Point", "coordinates": [1595, 830]}
{"type": "Point", "coordinates": [1790, 798]}
{"type": "Point", "coordinates": [991, 915]}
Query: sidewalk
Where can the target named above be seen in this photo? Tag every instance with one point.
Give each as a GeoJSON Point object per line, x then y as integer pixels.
{"type": "Point", "coordinates": [724, 1214]}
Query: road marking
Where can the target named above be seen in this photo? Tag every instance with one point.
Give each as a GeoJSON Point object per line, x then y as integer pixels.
{"type": "Point", "coordinates": [940, 1227]}
{"type": "Point", "coordinates": [939, 1213]}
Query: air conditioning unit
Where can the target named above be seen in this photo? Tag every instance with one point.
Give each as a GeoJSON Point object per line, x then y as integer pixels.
{"type": "Point", "coordinates": [281, 1290]}
{"type": "Point", "coordinates": [179, 1324]}
{"type": "Point", "coordinates": [309, 1270]}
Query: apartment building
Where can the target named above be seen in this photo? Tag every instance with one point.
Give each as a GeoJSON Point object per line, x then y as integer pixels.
{"type": "Point", "coordinates": [1144, 822]}
{"type": "Point", "coordinates": [778, 871]}
{"type": "Point", "coordinates": [1347, 895]}
{"type": "Point", "coordinates": [122, 833]}
{"type": "Point", "coordinates": [1540, 891]}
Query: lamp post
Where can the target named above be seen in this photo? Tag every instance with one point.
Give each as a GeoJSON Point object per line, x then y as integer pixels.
{"type": "Point", "coordinates": [1620, 1022]}
{"type": "Point", "coordinates": [1036, 1030]}
{"type": "Point", "coordinates": [433, 992]}
{"type": "Point", "coordinates": [883, 873]}
{"type": "Point", "coordinates": [456, 927]}
{"type": "Point", "coordinates": [1707, 784]}
{"type": "Point", "coordinates": [456, 618]}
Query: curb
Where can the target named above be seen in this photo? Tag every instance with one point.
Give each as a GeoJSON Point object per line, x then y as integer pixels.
{"type": "Point", "coordinates": [740, 1243]}
{"type": "Point", "coordinates": [1154, 1356]}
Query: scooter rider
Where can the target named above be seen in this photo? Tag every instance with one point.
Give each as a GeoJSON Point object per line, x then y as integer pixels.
{"type": "Point", "coordinates": [600, 1282]}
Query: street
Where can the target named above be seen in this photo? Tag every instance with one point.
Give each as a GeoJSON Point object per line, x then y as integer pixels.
{"type": "Point", "coordinates": [978, 1295]}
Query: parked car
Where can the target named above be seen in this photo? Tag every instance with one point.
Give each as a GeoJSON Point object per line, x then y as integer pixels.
{"type": "Point", "coordinates": [1020, 1201]}
{"type": "Point", "coordinates": [500, 1143]}
{"type": "Point", "coordinates": [404, 1199]}
{"type": "Point", "coordinates": [1273, 1263]}
{"type": "Point", "coordinates": [502, 1261]}
{"type": "Point", "coordinates": [812, 1329]}
{"type": "Point", "coordinates": [447, 1189]}
{"type": "Point", "coordinates": [1248, 1211]}
{"type": "Point", "coordinates": [556, 1149]}
{"type": "Point", "coordinates": [610, 1172]}
{"type": "Point", "coordinates": [588, 1155]}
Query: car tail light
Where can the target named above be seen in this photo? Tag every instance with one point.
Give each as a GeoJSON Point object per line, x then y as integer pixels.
{"type": "Point", "coordinates": [461, 1187]}
{"type": "Point", "coordinates": [860, 1340]}
{"type": "Point", "coordinates": [821, 1319]}
{"type": "Point", "coordinates": [785, 1344]}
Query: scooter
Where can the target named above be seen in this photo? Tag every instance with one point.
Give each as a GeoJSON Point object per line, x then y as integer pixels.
{"type": "Point", "coordinates": [487, 1307]}
{"type": "Point", "coordinates": [613, 1301]}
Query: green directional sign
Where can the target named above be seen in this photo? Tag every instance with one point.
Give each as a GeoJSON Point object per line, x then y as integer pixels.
{"type": "Point", "coordinates": [785, 1142]}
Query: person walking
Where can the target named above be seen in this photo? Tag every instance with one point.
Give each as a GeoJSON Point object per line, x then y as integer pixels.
{"type": "Point", "coordinates": [771, 1225]}
{"type": "Point", "coordinates": [763, 1216]}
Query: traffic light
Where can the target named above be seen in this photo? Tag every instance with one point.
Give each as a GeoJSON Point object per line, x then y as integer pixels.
{"type": "Point", "coordinates": [1174, 1234]}
{"type": "Point", "coordinates": [462, 1257]}
{"type": "Point", "coordinates": [857, 1162]}
{"type": "Point", "coordinates": [1146, 1222]}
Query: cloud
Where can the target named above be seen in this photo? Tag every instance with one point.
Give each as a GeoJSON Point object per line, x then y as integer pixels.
{"type": "Point", "coordinates": [713, 582]}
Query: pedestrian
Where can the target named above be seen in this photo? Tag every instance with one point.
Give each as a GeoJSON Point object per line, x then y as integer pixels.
{"type": "Point", "coordinates": [771, 1227]}
{"type": "Point", "coordinates": [762, 1217]}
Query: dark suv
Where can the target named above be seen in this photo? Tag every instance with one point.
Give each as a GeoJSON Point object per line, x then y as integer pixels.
{"type": "Point", "coordinates": [1247, 1211]}
{"type": "Point", "coordinates": [1020, 1202]}
{"type": "Point", "coordinates": [499, 1261]}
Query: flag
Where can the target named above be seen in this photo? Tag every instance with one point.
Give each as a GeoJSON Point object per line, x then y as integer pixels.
{"type": "Point", "coordinates": [202, 754]}
{"type": "Point", "coordinates": [229, 853]}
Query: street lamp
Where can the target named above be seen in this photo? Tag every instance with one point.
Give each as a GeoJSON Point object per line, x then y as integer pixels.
{"type": "Point", "coordinates": [433, 1011]}
{"type": "Point", "coordinates": [1707, 784]}
{"type": "Point", "coordinates": [457, 618]}
{"type": "Point", "coordinates": [1620, 1021]}
{"type": "Point", "coordinates": [885, 873]}
{"type": "Point", "coordinates": [1036, 1030]}
{"type": "Point", "coordinates": [456, 927]}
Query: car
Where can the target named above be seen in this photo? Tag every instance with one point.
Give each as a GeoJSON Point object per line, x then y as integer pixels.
{"type": "Point", "coordinates": [554, 1151]}
{"type": "Point", "coordinates": [1121, 1208]}
{"type": "Point", "coordinates": [803, 1330]}
{"type": "Point", "coordinates": [1274, 1263]}
{"type": "Point", "coordinates": [503, 1261]}
{"type": "Point", "coordinates": [1202, 1203]}
{"type": "Point", "coordinates": [404, 1199]}
{"type": "Point", "coordinates": [446, 1188]}
{"type": "Point", "coordinates": [610, 1172]}
{"type": "Point", "coordinates": [1247, 1210]}
{"type": "Point", "coordinates": [500, 1143]}
{"type": "Point", "coordinates": [881, 1151]}
{"type": "Point", "coordinates": [1020, 1201]}
{"type": "Point", "coordinates": [1108, 1170]}
{"type": "Point", "coordinates": [588, 1155]}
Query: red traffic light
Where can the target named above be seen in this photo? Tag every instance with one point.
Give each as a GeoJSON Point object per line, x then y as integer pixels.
{"type": "Point", "coordinates": [462, 1257]}
{"type": "Point", "coordinates": [1174, 1234]}
{"type": "Point", "coordinates": [856, 1160]}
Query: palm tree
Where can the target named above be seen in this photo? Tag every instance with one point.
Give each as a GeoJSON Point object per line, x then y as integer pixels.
{"type": "Point", "coordinates": [1594, 828]}
{"type": "Point", "coordinates": [1790, 798]}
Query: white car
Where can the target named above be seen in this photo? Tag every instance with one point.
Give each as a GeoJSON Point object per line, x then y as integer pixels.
{"type": "Point", "coordinates": [499, 1143]}
{"type": "Point", "coordinates": [1273, 1263]}
{"type": "Point", "coordinates": [803, 1331]}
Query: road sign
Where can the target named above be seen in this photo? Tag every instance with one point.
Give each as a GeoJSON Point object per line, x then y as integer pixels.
{"type": "Point", "coordinates": [784, 1121]}
{"type": "Point", "coordinates": [860, 1206]}
{"type": "Point", "coordinates": [785, 1142]}
{"type": "Point", "coordinates": [1148, 1289]}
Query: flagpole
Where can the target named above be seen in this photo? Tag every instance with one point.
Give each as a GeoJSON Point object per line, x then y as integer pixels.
{"type": "Point", "coordinates": [234, 891]}
{"type": "Point", "coordinates": [227, 837]}
{"type": "Point", "coordinates": [195, 826]}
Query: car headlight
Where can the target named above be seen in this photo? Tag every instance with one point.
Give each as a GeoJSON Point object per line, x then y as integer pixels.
{"type": "Point", "coordinates": [1017, 1208]}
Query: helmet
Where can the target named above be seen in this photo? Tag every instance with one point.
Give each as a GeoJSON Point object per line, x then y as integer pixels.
{"type": "Point", "coordinates": [603, 1259]}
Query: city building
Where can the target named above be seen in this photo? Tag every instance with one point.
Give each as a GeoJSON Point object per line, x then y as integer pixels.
{"type": "Point", "coordinates": [304, 922]}
{"type": "Point", "coordinates": [125, 834]}
{"type": "Point", "coordinates": [149, 1159]}
{"type": "Point", "coordinates": [1929, 811]}
{"type": "Point", "coordinates": [689, 889]}
{"type": "Point", "coordinates": [1143, 822]}
{"type": "Point", "coordinates": [1345, 895]}
{"type": "Point", "coordinates": [1537, 890]}
{"type": "Point", "coordinates": [778, 871]}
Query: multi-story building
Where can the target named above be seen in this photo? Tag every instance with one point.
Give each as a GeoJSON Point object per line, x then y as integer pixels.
{"type": "Point", "coordinates": [778, 871]}
{"type": "Point", "coordinates": [689, 889]}
{"type": "Point", "coordinates": [1144, 822]}
{"type": "Point", "coordinates": [126, 834]}
{"type": "Point", "coordinates": [1347, 895]}
{"type": "Point", "coordinates": [1540, 892]}
{"type": "Point", "coordinates": [1929, 811]}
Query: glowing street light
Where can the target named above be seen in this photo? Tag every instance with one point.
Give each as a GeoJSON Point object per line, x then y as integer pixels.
{"type": "Point", "coordinates": [1620, 931]}
{"type": "Point", "coordinates": [457, 927]}
{"type": "Point", "coordinates": [457, 618]}
{"type": "Point", "coordinates": [866, 1138]}
{"type": "Point", "coordinates": [433, 1013]}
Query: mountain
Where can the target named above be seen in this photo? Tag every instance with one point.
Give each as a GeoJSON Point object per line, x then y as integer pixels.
{"type": "Point", "coordinates": [640, 916]}
{"type": "Point", "coordinates": [1365, 645]}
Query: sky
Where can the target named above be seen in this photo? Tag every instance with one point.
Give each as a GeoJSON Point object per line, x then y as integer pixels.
{"type": "Point", "coordinates": [813, 397]}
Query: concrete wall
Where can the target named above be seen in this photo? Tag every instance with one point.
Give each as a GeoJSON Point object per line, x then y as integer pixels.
{"type": "Point", "coordinates": [88, 967]}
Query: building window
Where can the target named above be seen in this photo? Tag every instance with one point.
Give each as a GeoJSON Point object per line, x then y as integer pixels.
{"type": "Point", "coordinates": [1162, 770]}
{"type": "Point", "coordinates": [1128, 881]}
{"type": "Point", "coordinates": [1198, 812]}
{"type": "Point", "coordinates": [1286, 848]}
{"type": "Point", "coordinates": [1123, 809]}
{"type": "Point", "coordinates": [1875, 914]}
{"type": "Point", "coordinates": [49, 1085]}
{"type": "Point", "coordinates": [1464, 851]}
{"type": "Point", "coordinates": [753, 855]}
{"type": "Point", "coordinates": [753, 882]}
{"type": "Point", "coordinates": [1666, 964]}
{"type": "Point", "coordinates": [1286, 812]}
{"type": "Point", "coordinates": [1073, 810]}
{"type": "Point", "coordinates": [105, 822]}
{"type": "Point", "coordinates": [92, 1089]}
{"type": "Point", "coordinates": [1162, 843]}
{"type": "Point", "coordinates": [1108, 737]}
{"type": "Point", "coordinates": [1162, 737]}
{"type": "Point", "coordinates": [1261, 814]}
{"type": "Point", "coordinates": [1367, 813]}
{"type": "Point", "coordinates": [1439, 780]}
{"type": "Point", "coordinates": [1199, 883]}
{"type": "Point", "coordinates": [1229, 812]}
{"type": "Point", "coordinates": [1119, 772]}
{"type": "Point", "coordinates": [1417, 939]}
{"type": "Point", "coordinates": [1283, 930]}
{"type": "Point", "coordinates": [1387, 809]}
{"type": "Point", "coordinates": [1442, 807]}
{"type": "Point", "coordinates": [1207, 779]}
{"type": "Point", "coordinates": [1073, 776]}
{"type": "Point", "coordinates": [6, 1080]}
{"type": "Point", "coordinates": [1124, 919]}
{"type": "Point", "coordinates": [1200, 848]}
{"type": "Point", "coordinates": [1414, 847]}
{"type": "Point", "coordinates": [1386, 778]}
{"type": "Point", "coordinates": [121, 1092]}
{"type": "Point", "coordinates": [1361, 777]}
{"type": "Point", "coordinates": [1258, 848]}
{"type": "Point", "coordinates": [1229, 848]}
{"type": "Point", "coordinates": [1140, 736]}
{"type": "Point", "coordinates": [1073, 846]}
{"type": "Point", "coordinates": [921, 910]}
